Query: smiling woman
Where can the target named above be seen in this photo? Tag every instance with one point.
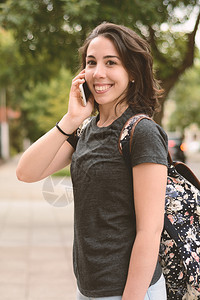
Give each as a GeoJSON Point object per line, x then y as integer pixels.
{"type": "Point", "coordinates": [133, 53]}
{"type": "Point", "coordinates": [116, 239]}
{"type": "Point", "coordinates": [105, 74]}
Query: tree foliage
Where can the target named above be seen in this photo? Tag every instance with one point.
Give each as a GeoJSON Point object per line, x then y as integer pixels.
{"type": "Point", "coordinates": [8, 56]}
{"type": "Point", "coordinates": [41, 103]}
{"type": "Point", "coordinates": [45, 104]}
{"type": "Point", "coordinates": [48, 33]}
{"type": "Point", "coordinates": [186, 96]}
{"type": "Point", "coordinates": [12, 78]}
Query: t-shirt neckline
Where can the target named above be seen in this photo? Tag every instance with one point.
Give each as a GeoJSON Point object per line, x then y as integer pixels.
{"type": "Point", "coordinates": [113, 123]}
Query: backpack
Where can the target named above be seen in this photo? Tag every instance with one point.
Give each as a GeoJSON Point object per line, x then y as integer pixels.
{"type": "Point", "coordinates": [179, 252]}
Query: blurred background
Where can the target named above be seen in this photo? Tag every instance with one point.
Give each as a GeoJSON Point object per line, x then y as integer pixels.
{"type": "Point", "coordinates": [39, 41]}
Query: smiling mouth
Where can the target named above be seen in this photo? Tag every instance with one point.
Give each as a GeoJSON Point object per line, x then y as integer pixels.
{"type": "Point", "coordinates": [102, 88]}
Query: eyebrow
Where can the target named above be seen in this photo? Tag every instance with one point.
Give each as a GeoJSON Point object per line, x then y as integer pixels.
{"type": "Point", "coordinates": [105, 57]}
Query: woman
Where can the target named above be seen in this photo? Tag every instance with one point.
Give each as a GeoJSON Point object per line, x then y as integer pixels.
{"type": "Point", "coordinates": [118, 216]}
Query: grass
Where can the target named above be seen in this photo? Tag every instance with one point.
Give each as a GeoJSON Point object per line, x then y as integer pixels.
{"type": "Point", "coordinates": [62, 173]}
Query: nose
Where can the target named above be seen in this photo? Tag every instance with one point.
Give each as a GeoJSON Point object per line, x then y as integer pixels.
{"type": "Point", "coordinates": [99, 71]}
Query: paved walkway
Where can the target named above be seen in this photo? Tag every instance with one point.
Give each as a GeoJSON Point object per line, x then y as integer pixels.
{"type": "Point", "coordinates": [35, 240]}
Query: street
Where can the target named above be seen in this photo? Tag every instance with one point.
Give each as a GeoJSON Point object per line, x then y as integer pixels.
{"type": "Point", "coordinates": [36, 236]}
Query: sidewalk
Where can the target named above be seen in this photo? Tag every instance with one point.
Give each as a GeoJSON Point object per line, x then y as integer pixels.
{"type": "Point", "coordinates": [35, 241]}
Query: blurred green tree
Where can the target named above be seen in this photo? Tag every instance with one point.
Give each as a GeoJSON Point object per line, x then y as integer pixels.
{"type": "Point", "coordinates": [45, 104]}
{"type": "Point", "coordinates": [10, 85]}
{"type": "Point", "coordinates": [8, 58]}
{"type": "Point", "coordinates": [186, 95]}
{"type": "Point", "coordinates": [49, 32]}
{"type": "Point", "coordinates": [41, 103]}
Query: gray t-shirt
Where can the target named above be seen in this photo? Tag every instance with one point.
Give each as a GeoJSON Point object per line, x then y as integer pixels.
{"type": "Point", "coordinates": [104, 218]}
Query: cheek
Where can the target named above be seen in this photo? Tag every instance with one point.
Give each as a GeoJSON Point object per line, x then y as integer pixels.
{"type": "Point", "coordinates": [122, 77]}
{"type": "Point", "coordinates": [125, 81]}
{"type": "Point", "coordinates": [88, 78]}
{"type": "Point", "coordinates": [126, 78]}
{"type": "Point", "coordinates": [88, 75]}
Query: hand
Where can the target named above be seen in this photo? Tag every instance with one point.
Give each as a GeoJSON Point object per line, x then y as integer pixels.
{"type": "Point", "coordinates": [76, 110]}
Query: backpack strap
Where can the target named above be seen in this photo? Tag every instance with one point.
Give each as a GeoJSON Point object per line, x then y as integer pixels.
{"type": "Point", "coordinates": [187, 173]}
{"type": "Point", "coordinates": [126, 135]}
{"type": "Point", "coordinates": [173, 233]}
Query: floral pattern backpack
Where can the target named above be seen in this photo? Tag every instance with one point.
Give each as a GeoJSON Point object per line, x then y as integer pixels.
{"type": "Point", "coordinates": [180, 241]}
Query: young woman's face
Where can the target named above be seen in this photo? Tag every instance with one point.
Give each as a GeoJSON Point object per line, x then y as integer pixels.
{"type": "Point", "coordinates": [105, 74]}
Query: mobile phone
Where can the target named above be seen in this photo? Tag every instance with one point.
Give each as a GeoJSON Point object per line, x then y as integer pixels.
{"type": "Point", "coordinates": [85, 92]}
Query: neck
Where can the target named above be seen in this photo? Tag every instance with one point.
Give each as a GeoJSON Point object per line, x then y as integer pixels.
{"type": "Point", "coordinates": [108, 113]}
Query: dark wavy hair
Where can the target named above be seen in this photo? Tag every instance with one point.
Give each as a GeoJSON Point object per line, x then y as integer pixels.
{"type": "Point", "coordinates": [135, 54]}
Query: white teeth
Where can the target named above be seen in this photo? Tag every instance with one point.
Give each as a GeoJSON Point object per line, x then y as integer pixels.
{"type": "Point", "coordinates": [102, 88]}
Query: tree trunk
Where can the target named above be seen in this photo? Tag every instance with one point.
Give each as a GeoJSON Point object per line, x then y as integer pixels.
{"type": "Point", "coordinates": [188, 61]}
{"type": "Point", "coordinates": [159, 115]}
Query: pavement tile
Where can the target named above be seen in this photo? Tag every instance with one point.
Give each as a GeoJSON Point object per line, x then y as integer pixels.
{"type": "Point", "coordinates": [14, 236]}
{"type": "Point", "coordinates": [43, 253]}
{"type": "Point", "coordinates": [42, 236]}
{"type": "Point", "coordinates": [12, 291]}
{"type": "Point", "coordinates": [13, 276]}
{"type": "Point", "coordinates": [15, 253]}
{"type": "Point", "coordinates": [48, 270]}
{"type": "Point", "coordinates": [45, 290]}
{"type": "Point", "coordinates": [36, 241]}
{"type": "Point", "coordinates": [51, 298]}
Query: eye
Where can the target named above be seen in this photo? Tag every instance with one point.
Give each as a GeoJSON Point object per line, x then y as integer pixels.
{"type": "Point", "coordinates": [91, 62]}
{"type": "Point", "coordinates": [111, 62]}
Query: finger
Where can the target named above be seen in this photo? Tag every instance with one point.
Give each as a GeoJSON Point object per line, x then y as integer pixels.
{"type": "Point", "coordinates": [77, 82]}
{"type": "Point", "coordinates": [79, 76]}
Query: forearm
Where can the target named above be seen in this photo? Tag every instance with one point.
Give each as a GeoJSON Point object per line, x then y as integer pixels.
{"type": "Point", "coordinates": [142, 265]}
{"type": "Point", "coordinates": [38, 157]}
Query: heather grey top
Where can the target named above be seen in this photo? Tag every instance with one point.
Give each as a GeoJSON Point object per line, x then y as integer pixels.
{"type": "Point", "coordinates": [104, 219]}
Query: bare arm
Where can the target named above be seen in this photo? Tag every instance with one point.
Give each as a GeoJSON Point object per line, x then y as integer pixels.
{"type": "Point", "coordinates": [47, 155]}
{"type": "Point", "coordinates": [51, 152]}
{"type": "Point", "coordinates": [149, 182]}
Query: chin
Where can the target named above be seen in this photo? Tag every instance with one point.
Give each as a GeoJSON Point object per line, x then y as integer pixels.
{"type": "Point", "coordinates": [105, 100]}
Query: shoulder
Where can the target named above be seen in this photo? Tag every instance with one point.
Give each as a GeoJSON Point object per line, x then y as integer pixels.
{"type": "Point", "coordinates": [149, 143]}
{"type": "Point", "coordinates": [147, 129]}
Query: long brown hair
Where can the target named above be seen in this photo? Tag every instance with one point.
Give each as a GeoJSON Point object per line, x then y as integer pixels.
{"type": "Point", "coordinates": [135, 54]}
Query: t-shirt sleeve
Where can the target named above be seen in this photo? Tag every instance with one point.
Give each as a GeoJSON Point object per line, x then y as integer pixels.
{"type": "Point", "coordinates": [149, 144]}
{"type": "Point", "coordinates": [73, 140]}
